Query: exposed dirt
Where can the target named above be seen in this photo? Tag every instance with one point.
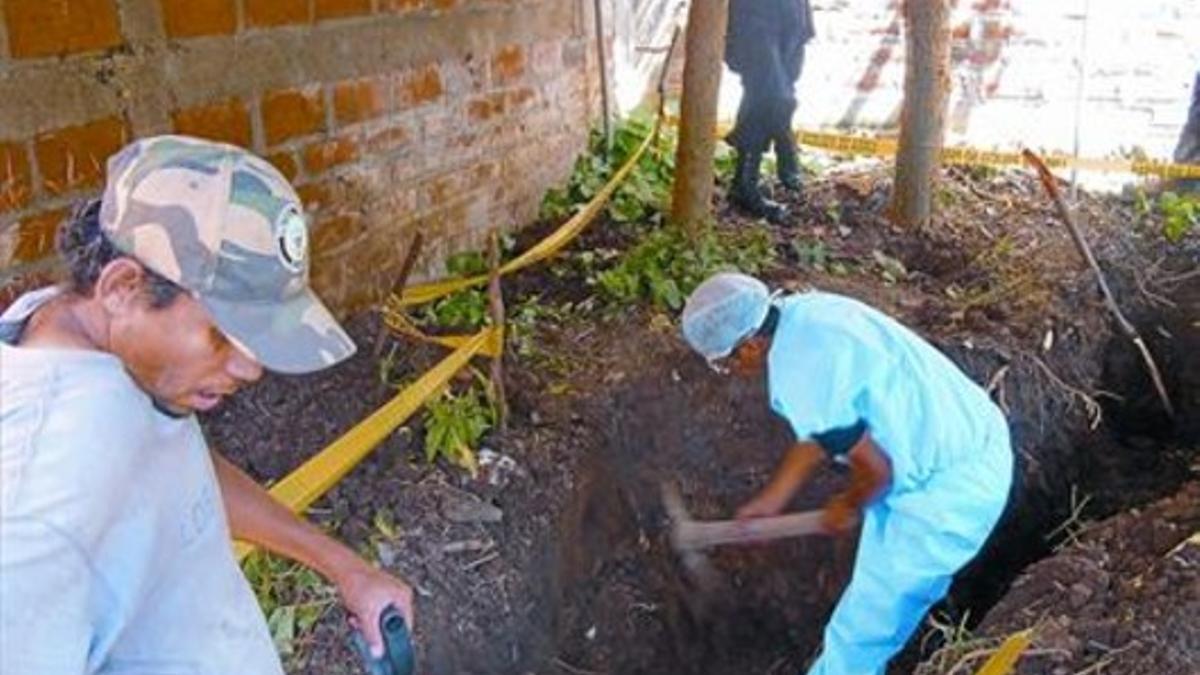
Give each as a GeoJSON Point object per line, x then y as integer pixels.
{"type": "Point", "coordinates": [577, 577]}
{"type": "Point", "coordinates": [1124, 599]}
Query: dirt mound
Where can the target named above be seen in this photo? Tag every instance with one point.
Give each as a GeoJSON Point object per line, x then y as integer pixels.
{"type": "Point", "coordinates": [1124, 599]}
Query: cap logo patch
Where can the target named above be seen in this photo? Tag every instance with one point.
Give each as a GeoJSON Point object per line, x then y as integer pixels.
{"type": "Point", "coordinates": [291, 232]}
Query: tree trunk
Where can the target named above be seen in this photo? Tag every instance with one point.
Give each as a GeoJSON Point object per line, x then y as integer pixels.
{"type": "Point", "coordinates": [704, 51]}
{"type": "Point", "coordinates": [926, 93]}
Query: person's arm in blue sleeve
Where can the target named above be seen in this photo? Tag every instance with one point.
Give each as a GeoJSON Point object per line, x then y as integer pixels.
{"type": "Point", "coordinates": [813, 386]}
{"type": "Point", "coordinates": [47, 593]}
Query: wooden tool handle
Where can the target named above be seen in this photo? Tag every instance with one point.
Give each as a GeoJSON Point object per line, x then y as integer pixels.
{"type": "Point", "coordinates": [702, 534]}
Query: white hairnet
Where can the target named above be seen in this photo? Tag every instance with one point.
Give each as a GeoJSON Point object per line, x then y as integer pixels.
{"type": "Point", "coordinates": [724, 310]}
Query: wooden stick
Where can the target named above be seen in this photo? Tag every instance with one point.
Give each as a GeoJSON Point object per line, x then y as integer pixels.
{"type": "Point", "coordinates": [406, 267]}
{"type": "Point", "coordinates": [1109, 299]}
{"type": "Point", "coordinates": [496, 309]}
{"type": "Point", "coordinates": [662, 86]}
{"type": "Point", "coordinates": [693, 534]}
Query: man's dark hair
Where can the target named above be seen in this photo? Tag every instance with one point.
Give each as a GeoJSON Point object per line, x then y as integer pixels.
{"type": "Point", "coordinates": [85, 250]}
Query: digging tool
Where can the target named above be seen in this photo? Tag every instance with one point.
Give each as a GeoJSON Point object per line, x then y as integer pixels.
{"type": "Point", "coordinates": [397, 657]}
{"type": "Point", "coordinates": [690, 537]}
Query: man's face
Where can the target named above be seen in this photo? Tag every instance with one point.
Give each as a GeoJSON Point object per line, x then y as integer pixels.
{"type": "Point", "coordinates": [748, 359]}
{"type": "Point", "coordinates": [177, 354]}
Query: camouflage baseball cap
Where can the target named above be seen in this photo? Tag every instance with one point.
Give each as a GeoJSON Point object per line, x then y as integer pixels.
{"type": "Point", "coordinates": [226, 226]}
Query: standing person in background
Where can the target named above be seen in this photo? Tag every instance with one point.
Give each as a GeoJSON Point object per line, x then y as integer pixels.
{"type": "Point", "coordinates": [1187, 151]}
{"type": "Point", "coordinates": [765, 46]}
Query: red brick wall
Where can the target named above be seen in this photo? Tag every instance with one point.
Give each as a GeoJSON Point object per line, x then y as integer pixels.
{"type": "Point", "coordinates": [390, 116]}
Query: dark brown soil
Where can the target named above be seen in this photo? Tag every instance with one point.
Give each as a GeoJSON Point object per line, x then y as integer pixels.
{"type": "Point", "coordinates": [577, 576]}
{"type": "Point", "coordinates": [1124, 599]}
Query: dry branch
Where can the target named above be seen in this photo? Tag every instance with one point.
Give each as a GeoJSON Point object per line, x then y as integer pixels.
{"type": "Point", "coordinates": [1109, 299]}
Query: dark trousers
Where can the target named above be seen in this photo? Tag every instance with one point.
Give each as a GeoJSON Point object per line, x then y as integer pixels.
{"type": "Point", "coordinates": [769, 70]}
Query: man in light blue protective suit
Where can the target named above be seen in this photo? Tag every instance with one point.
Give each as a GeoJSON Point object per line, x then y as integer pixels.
{"type": "Point", "coordinates": [929, 453]}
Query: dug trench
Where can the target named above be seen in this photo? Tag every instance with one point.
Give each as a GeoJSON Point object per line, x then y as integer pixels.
{"type": "Point", "coordinates": [627, 604]}
{"type": "Point", "coordinates": [561, 562]}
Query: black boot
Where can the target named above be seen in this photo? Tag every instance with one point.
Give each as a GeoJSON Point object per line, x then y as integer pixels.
{"type": "Point", "coordinates": [745, 194]}
{"type": "Point", "coordinates": [788, 164]}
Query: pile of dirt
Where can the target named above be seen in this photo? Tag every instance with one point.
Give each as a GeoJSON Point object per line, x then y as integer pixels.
{"type": "Point", "coordinates": [559, 563]}
{"type": "Point", "coordinates": [1123, 599]}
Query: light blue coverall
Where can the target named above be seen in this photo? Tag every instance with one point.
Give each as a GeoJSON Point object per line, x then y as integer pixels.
{"type": "Point", "coordinates": [835, 363]}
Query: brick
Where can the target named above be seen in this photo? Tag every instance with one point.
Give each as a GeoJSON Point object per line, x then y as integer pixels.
{"type": "Point", "coordinates": [16, 180]}
{"type": "Point", "coordinates": [335, 231]}
{"type": "Point", "coordinates": [484, 108]}
{"type": "Point", "coordinates": [54, 27]}
{"type": "Point", "coordinates": [192, 18]}
{"type": "Point", "coordinates": [286, 163]}
{"type": "Point", "coordinates": [35, 236]}
{"type": "Point", "coordinates": [320, 157]}
{"type": "Point", "coordinates": [22, 281]}
{"type": "Point", "coordinates": [359, 100]}
{"type": "Point", "coordinates": [74, 157]}
{"type": "Point", "coordinates": [419, 86]}
{"type": "Point", "coordinates": [267, 13]}
{"type": "Point", "coordinates": [520, 97]}
{"type": "Point", "coordinates": [292, 113]}
{"type": "Point", "coordinates": [442, 5]}
{"type": "Point", "coordinates": [401, 6]}
{"type": "Point", "coordinates": [508, 65]}
{"type": "Point", "coordinates": [314, 196]}
{"type": "Point", "coordinates": [228, 121]}
{"type": "Point", "coordinates": [335, 9]}
{"type": "Point", "coordinates": [387, 139]}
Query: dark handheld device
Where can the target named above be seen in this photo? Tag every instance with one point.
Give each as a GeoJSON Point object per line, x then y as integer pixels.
{"type": "Point", "coordinates": [397, 656]}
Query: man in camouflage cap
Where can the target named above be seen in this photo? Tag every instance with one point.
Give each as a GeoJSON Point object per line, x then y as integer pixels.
{"type": "Point", "coordinates": [186, 279]}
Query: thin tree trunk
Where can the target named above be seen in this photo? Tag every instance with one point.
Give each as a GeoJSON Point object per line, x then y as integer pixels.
{"type": "Point", "coordinates": [926, 93]}
{"type": "Point", "coordinates": [704, 51]}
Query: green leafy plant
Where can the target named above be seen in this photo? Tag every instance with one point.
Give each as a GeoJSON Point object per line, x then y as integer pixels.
{"type": "Point", "coordinates": [1180, 215]}
{"type": "Point", "coordinates": [454, 424]}
{"type": "Point", "coordinates": [665, 266]}
{"type": "Point", "coordinates": [292, 597]}
{"type": "Point", "coordinates": [462, 310]}
{"type": "Point", "coordinates": [811, 253]}
{"type": "Point", "coordinates": [646, 189]}
{"type": "Point", "coordinates": [466, 309]}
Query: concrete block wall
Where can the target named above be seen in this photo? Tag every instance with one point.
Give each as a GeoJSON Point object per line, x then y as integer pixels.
{"type": "Point", "coordinates": [390, 116]}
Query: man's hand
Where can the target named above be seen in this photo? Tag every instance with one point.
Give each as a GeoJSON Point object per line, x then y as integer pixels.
{"type": "Point", "coordinates": [368, 591]}
{"type": "Point", "coordinates": [839, 516]}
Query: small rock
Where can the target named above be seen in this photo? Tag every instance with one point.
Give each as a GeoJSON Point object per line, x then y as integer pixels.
{"type": "Point", "coordinates": [466, 508]}
{"type": "Point", "coordinates": [497, 469]}
{"type": "Point", "coordinates": [1080, 593]}
{"type": "Point", "coordinates": [386, 553]}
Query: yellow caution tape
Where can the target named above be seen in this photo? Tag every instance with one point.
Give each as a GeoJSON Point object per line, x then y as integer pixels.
{"type": "Point", "coordinates": [400, 323]}
{"type": "Point", "coordinates": [565, 234]}
{"type": "Point", "coordinates": [1006, 657]}
{"type": "Point", "coordinates": [886, 147]}
{"type": "Point", "coordinates": [313, 478]}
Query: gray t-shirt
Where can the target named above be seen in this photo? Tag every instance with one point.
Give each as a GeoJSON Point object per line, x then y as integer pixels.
{"type": "Point", "coordinates": [115, 552]}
